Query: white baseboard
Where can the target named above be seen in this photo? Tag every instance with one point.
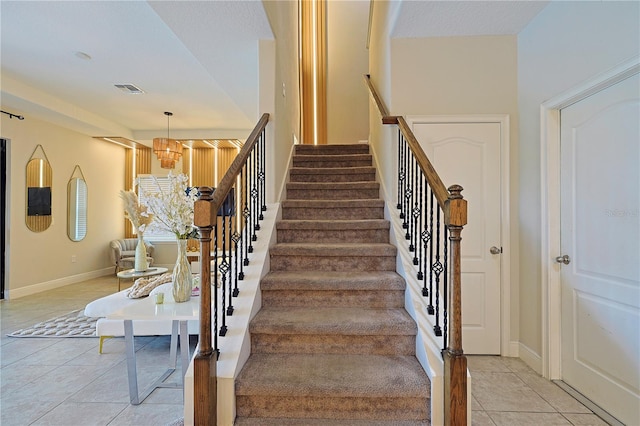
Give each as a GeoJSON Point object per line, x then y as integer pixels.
{"type": "Point", "coordinates": [53, 284]}
{"type": "Point", "coordinates": [530, 357]}
{"type": "Point", "coordinates": [514, 349]}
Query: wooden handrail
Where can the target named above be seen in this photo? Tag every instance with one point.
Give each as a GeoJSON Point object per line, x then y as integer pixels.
{"type": "Point", "coordinates": [454, 207]}
{"type": "Point", "coordinates": [205, 218]}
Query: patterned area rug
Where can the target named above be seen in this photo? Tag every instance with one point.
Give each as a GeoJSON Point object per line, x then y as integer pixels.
{"type": "Point", "coordinates": [73, 324]}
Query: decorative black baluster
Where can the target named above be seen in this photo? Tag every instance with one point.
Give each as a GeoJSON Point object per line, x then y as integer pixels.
{"type": "Point", "coordinates": [249, 211]}
{"type": "Point", "coordinates": [236, 237]}
{"type": "Point", "coordinates": [409, 201]}
{"type": "Point", "coordinates": [400, 171]}
{"type": "Point", "coordinates": [227, 258]}
{"type": "Point", "coordinates": [437, 269]}
{"type": "Point", "coordinates": [243, 221]}
{"type": "Point", "coordinates": [254, 196]}
{"type": "Point", "coordinates": [407, 184]}
{"type": "Point", "coordinates": [215, 288]}
{"type": "Point", "coordinates": [415, 197]}
{"type": "Point", "coordinates": [445, 299]}
{"type": "Point", "coordinates": [430, 309]}
{"type": "Point", "coordinates": [223, 268]}
{"type": "Point", "coordinates": [417, 259]}
{"type": "Point", "coordinates": [262, 176]}
{"type": "Point", "coordinates": [426, 237]}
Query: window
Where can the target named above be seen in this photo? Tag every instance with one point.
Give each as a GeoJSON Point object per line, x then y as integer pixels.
{"type": "Point", "coordinates": [150, 184]}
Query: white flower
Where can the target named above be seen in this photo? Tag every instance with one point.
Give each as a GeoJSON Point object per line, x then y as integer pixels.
{"type": "Point", "coordinates": [173, 208]}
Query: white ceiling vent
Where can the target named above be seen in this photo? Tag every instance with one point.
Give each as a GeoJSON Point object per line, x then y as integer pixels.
{"type": "Point", "coordinates": [130, 89]}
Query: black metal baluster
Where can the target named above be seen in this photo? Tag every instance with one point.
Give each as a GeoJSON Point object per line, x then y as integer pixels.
{"type": "Point", "coordinates": [227, 259]}
{"type": "Point", "coordinates": [215, 288]}
{"type": "Point", "coordinates": [437, 269]}
{"type": "Point", "coordinates": [417, 260]}
{"type": "Point", "coordinates": [250, 201]}
{"type": "Point", "coordinates": [254, 196]}
{"type": "Point", "coordinates": [430, 309]}
{"type": "Point", "coordinates": [223, 268]}
{"type": "Point", "coordinates": [409, 197]}
{"type": "Point", "coordinates": [415, 231]}
{"type": "Point", "coordinates": [400, 172]}
{"type": "Point", "coordinates": [236, 237]}
{"type": "Point", "coordinates": [263, 184]}
{"type": "Point", "coordinates": [407, 183]}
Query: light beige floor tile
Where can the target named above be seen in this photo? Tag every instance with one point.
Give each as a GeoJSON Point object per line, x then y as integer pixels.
{"type": "Point", "coordinates": [148, 415]}
{"type": "Point", "coordinates": [17, 375]}
{"type": "Point", "coordinates": [480, 418]}
{"type": "Point", "coordinates": [526, 419]}
{"type": "Point", "coordinates": [22, 348]}
{"type": "Point", "coordinates": [57, 385]}
{"type": "Point", "coordinates": [506, 392]}
{"type": "Point", "coordinates": [22, 411]}
{"type": "Point", "coordinates": [584, 419]}
{"type": "Point", "coordinates": [550, 392]}
{"type": "Point", "coordinates": [81, 414]}
{"type": "Point", "coordinates": [486, 363]}
{"type": "Point", "coordinates": [517, 365]}
{"type": "Point", "coordinates": [475, 405]}
{"type": "Point", "coordinates": [61, 352]}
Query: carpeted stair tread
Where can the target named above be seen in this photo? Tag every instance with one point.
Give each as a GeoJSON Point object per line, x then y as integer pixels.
{"type": "Point", "coordinates": [282, 421]}
{"type": "Point", "coordinates": [333, 204]}
{"type": "Point", "coordinates": [321, 158]}
{"type": "Point", "coordinates": [338, 224]}
{"type": "Point", "coordinates": [333, 249]}
{"type": "Point", "coordinates": [332, 280]}
{"type": "Point", "coordinates": [332, 148]}
{"type": "Point", "coordinates": [367, 208]}
{"type": "Point", "coordinates": [332, 185]}
{"type": "Point", "coordinates": [342, 321]}
{"type": "Point", "coordinates": [295, 375]}
{"type": "Point", "coordinates": [332, 170]}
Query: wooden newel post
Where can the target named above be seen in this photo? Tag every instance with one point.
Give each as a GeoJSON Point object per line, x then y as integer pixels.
{"type": "Point", "coordinates": [455, 362]}
{"type": "Point", "coordinates": [204, 363]}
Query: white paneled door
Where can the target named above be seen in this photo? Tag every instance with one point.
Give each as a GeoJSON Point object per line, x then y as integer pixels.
{"type": "Point", "coordinates": [600, 243]}
{"type": "Point", "coordinates": [469, 154]}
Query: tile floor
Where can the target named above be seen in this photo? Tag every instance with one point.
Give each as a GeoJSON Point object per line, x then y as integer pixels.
{"type": "Point", "coordinates": [65, 382]}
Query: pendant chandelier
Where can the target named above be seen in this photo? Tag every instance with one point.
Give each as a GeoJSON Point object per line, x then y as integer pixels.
{"type": "Point", "coordinates": [167, 150]}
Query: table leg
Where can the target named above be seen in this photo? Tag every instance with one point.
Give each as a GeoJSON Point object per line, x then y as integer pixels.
{"type": "Point", "coordinates": [131, 362]}
{"type": "Point", "coordinates": [176, 326]}
{"type": "Point", "coordinates": [184, 347]}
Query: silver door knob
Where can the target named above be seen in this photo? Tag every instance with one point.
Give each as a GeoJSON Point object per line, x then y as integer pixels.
{"type": "Point", "coordinates": [495, 250]}
{"type": "Point", "coordinates": [563, 259]}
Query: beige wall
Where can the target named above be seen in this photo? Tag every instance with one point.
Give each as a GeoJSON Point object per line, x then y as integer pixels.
{"type": "Point", "coordinates": [347, 61]}
{"type": "Point", "coordinates": [38, 261]}
{"type": "Point", "coordinates": [566, 44]}
{"type": "Point", "coordinates": [381, 137]}
{"type": "Point", "coordinates": [283, 16]}
{"type": "Point", "coordinates": [463, 75]}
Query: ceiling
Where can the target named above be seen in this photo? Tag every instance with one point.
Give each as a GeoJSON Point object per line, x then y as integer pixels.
{"type": "Point", "coordinates": [197, 59]}
{"type": "Point", "coordinates": [450, 18]}
{"type": "Point", "coordinates": [60, 60]}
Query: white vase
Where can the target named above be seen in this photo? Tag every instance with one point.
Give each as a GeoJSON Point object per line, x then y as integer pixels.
{"type": "Point", "coordinates": [141, 263]}
{"type": "Point", "coordinates": [182, 278]}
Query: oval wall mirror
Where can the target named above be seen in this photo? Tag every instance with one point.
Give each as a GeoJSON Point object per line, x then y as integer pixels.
{"type": "Point", "coordinates": [77, 202]}
{"type": "Point", "coordinates": [38, 196]}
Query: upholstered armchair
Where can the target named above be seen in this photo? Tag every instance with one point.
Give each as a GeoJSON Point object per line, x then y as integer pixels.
{"type": "Point", "coordinates": [123, 253]}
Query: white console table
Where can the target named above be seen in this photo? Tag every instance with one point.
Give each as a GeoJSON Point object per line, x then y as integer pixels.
{"type": "Point", "coordinates": [147, 309]}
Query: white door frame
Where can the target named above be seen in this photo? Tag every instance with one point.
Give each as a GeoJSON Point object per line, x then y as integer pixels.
{"type": "Point", "coordinates": [507, 348]}
{"type": "Point", "coordinates": [550, 207]}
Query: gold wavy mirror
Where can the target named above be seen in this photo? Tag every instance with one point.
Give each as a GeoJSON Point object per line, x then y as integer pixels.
{"type": "Point", "coordinates": [38, 196]}
{"type": "Point", "coordinates": [77, 203]}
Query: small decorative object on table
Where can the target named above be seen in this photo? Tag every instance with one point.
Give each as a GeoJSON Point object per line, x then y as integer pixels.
{"type": "Point", "coordinates": [140, 218]}
{"type": "Point", "coordinates": [173, 211]}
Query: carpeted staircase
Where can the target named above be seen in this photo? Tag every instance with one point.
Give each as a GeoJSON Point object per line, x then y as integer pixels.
{"type": "Point", "coordinates": [332, 343]}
